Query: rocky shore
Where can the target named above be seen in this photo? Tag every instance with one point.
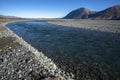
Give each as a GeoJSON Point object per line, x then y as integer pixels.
{"type": "Point", "coordinates": [20, 61]}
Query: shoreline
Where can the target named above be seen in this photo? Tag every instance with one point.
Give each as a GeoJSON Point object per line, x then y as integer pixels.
{"type": "Point", "coordinates": [45, 62]}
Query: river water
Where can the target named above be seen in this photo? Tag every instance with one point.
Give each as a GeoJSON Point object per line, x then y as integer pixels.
{"type": "Point", "coordinates": [88, 54]}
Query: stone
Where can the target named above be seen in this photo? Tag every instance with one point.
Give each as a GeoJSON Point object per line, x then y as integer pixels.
{"type": "Point", "coordinates": [54, 78]}
{"type": "Point", "coordinates": [18, 71]}
{"type": "Point", "coordinates": [34, 75]}
{"type": "Point", "coordinates": [19, 50]}
{"type": "Point", "coordinates": [10, 47]}
{"type": "Point", "coordinates": [1, 60]}
{"type": "Point", "coordinates": [20, 76]}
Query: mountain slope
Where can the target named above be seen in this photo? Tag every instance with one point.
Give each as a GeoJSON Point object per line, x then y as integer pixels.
{"type": "Point", "coordinates": [83, 13]}
{"type": "Point", "coordinates": [109, 13]}
{"type": "Point", "coordinates": [4, 16]}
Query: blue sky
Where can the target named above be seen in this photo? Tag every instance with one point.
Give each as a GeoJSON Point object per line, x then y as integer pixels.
{"type": "Point", "coordinates": [50, 8]}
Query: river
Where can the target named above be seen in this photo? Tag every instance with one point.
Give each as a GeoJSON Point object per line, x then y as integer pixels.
{"type": "Point", "coordinates": [86, 53]}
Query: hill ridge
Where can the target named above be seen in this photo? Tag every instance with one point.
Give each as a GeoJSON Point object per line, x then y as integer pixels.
{"type": "Point", "coordinates": [84, 13]}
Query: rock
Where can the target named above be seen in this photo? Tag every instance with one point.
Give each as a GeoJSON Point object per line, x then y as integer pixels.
{"type": "Point", "coordinates": [5, 60]}
{"type": "Point", "coordinates": [1, 60]}
{"type": "Point", "coordinates": [10, 47]}
{"type": "Point", "coordinates": [18, 71]}
{"type": "Point", "coordinates": [19, 50]}
{"type": "Point", "coordinates": [54, 78]}
{"type": "Point", "coordinates": [20, 76]}
{"type": "Point", "coordinates": [34, 75]}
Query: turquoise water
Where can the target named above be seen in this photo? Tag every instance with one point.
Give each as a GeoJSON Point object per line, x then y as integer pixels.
{"type": "Point", "coordinates": [88, 54]}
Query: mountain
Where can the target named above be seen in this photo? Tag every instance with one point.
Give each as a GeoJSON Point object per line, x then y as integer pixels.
{"type": "Point", "coordinates": [3, 16]}
{"type": "Point", "coordinates": [83, 13]}
{"type": "Point", "coordinates": [109, 13]}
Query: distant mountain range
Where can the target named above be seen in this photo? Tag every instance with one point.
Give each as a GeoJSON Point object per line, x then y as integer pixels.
{"type": "Point", "coordinates": [83, 13]}
{"type": "Point", "coordinates": [3, 16]}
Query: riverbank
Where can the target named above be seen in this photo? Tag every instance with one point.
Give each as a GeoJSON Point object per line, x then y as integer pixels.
{"type": "Point", "coordinates": [112, 26]}
{"type": "Point", "coordinates": [19, 60]}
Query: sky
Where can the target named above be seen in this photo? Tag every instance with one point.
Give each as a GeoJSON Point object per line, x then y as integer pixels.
{"type": "Point", "coordinates": [50, 8]}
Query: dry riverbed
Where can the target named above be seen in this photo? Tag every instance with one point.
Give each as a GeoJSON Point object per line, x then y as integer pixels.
{"type": "Point", "coordinates": [98, 25]}
{"type": "Point", "coordinates": [20, 61]}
